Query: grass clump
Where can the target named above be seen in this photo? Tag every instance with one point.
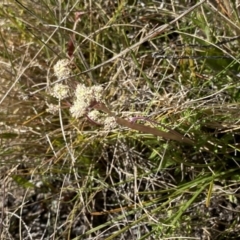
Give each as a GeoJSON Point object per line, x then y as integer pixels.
{"type": "Point", "coordinates": [119, 120]}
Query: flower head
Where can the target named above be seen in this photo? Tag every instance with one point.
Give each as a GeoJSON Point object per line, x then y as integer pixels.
{"type": "Point", "coordinates": [85, 98]}
{"type": "Point", "coordinates": [60, 91]}
{"type": "Point", "coordinates": [78, 109]}
{"type": "Point", "coordinates": [62, 69]}
{"type": "Point", "coordinates": [53, 109]}
{"type": "Point", "coordinates": [110, 123]}
{"type": "Point", "coordinates": [95, 116]}
{"type": "Point", "coordinates": [97, 92]}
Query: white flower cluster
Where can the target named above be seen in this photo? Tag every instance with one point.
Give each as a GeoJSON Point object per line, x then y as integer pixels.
{"type": "Point", "coordinates": [52, 108]}
{"type": "Point", "coordinates": [84, 97]}
{"type": "Point", "coordinates": [60, 91]}
{"type": "Point", "coordinates": [95, 116]}
{"type": "Point", "coordinates": [110, 123]}
{"type": "Point", "coordinates": [62, 69]}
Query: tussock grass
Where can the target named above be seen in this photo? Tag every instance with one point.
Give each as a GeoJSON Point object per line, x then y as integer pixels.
{"type": "Point", "coordinates": [170, 169]}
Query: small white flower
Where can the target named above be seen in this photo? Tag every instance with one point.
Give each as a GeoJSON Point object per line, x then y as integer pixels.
{"type": "Point", "coordinates": [97, 92]}
{"type": "Point", "coordinates": [60, 91]}
{"type": "Point", "coordinates": [81, 90]}
{"type": "Point", "coordinates": [52, 108]}
{"type": "Point", "coordinates": [110, 123]}
{"type": "Point", "coordinates": [82, 93]}
{"type": "Point", "coordinates": [78, 109]}
{"type": "Point", "coordinates": [94, 115]}
{"type": "Point", "coordinates": [84, 98]}
{"type": "Point", "coordinates": [62, 69]}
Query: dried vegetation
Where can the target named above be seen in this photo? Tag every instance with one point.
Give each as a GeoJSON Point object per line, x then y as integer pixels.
{"type": "Point", "coordinates": [67, 178]}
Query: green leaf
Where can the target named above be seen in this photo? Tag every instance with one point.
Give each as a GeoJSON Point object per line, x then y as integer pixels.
{"type": "Point", "coordinates": [22, 181]}
{"type": "Point", "coordinates": [8, 135]}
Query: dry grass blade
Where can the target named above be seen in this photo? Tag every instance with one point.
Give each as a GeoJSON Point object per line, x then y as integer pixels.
{"type": "Point", "coordinates": [152, 34]}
